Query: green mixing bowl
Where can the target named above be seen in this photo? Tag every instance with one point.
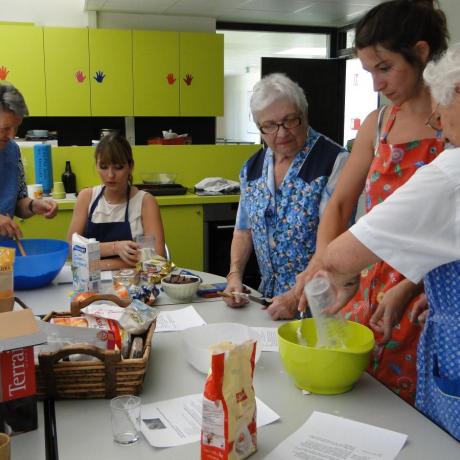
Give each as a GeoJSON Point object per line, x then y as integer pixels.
{"type": "Point", "coordinates": [324, 370]}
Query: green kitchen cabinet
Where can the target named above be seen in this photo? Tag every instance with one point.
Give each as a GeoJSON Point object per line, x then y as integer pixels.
{"type": "Point", "coordinates": [178, 73]}
{"type": "Point", "coordinates": [183, 227]}
{"type": "Point", "coordinates": [156, 73]}
{"type": "Point", "coordinates": [40, 227]}
{"type": "Point", "coordinates": [201, 74]}
{"type": "Point", "coordinates": [111, 72]}
{"type": "Point", "coordinates": [22, 64]}
{"type": "Point", "coordinates": [67, 71]}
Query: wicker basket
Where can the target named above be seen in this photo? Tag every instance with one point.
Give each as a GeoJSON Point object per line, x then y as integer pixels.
{"type": "Point", "coordinates": [106, 377]}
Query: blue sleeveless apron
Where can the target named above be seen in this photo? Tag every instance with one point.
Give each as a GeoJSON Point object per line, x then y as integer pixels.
{"type": "Point", "coordinates": [108, 231]}
{"type": "Point", "coordinates": [438, 354]}
{"type": "Point", "coordinates": [9, 159]}
{"type": "Point", "coordinates": [284, 224]}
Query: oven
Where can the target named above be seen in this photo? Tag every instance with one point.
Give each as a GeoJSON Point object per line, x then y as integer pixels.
{"type": "Point", "coordinates": [219, 223]}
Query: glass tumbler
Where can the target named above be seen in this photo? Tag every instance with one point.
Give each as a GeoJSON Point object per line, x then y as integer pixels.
{"type": "Point", "coordinates": [126, 418]}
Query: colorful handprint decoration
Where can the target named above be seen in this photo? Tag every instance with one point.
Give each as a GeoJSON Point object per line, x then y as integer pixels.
{"type": "Point", "coordinates": [99, 77]}
{"type": "Point", "coordinates": [80, 76]}
{"type": "Point", "coordinates": [3, 72]}
{"type": "Point", "coordinates": [170, 78]}
{"type": "Point", "coordinates": [188, 79]}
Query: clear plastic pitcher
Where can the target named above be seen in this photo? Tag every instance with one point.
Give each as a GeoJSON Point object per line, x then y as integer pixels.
{"type": "Point", "coordinates": [330, 329]}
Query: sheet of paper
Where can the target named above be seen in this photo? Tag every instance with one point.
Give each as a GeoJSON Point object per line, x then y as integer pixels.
{"type": "Point", "coordinates": [336, 438]}
{"type": "Point", "coordinates": [178, 320]}
{"type": "Point", "coordinates": [267, 338]}
{"type": "Point", "coordinates": [178, 421]}
{"type": "Point", "coordinates": [64, 276]}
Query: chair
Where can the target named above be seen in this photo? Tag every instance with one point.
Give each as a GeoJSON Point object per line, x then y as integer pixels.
{"type": "Point", "coordinates": [167, 253]}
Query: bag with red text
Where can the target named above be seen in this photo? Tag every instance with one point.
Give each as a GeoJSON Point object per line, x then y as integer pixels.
{"type": "Point", "coordinates": [228, 430]}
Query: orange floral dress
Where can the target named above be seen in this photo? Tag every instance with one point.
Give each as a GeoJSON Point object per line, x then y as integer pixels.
{"type": "Point", "coordinates": [395, 363]}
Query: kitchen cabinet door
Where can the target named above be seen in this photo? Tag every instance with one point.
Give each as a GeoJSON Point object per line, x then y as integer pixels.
{"type": "Point", "coordinates": [183, 227]}
{"type": "Point", "coordinates": [201, 74]}
{"type": "Point", "coordinates": [39, 227]}
{"type": "Point", "coordinates": [22, 64]}
{"type": "Point", "coordinates": [156, 73]}
{"type": "Point", "coordinates": [111, 72]}
{"type": "Point", "coordinates": [67, 71]}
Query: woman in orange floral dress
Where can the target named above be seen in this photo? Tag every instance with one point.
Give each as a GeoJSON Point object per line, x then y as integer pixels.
{"type": "Point", "coordinates": [391, 145]}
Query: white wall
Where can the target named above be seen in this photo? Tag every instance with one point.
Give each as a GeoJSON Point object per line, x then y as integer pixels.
{"type": "Point", "coordinates": [452, 10]}
{"type": "Point", "coordinates": [236, 123]}
{"type": "Point", "coordinates": [70, 13]}
{"type": "Point", "coordinates": [67, 13]}
{"type": "Point", "coordinates": [156, 22]}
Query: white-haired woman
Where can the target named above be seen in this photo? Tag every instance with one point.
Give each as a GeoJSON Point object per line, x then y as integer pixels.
{"type": "Point", "coordinates": [416, 230]}
{"type": "Point", "coordinates": [284, 189]}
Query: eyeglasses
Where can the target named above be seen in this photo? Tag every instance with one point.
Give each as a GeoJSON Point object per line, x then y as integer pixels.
{"type": "Point", "coordinates": [434, 120]}
{"type": "Point", "coordinates": [272, 127]}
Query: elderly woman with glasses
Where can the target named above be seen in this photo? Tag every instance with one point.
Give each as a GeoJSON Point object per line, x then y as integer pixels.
{"type": "Point", "coordinates": [417, 231]}
{"type": "Point", "coordinates": [284, 189]}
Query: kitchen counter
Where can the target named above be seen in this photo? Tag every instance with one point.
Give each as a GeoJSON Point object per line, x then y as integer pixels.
{"type": "Point", "coordinates": [189, 198]}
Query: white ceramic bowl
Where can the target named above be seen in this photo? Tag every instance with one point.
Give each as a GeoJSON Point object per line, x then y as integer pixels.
{"type": "Point", "coordinates": [184, 292]}
{"type": "Point", "coordinates": [197, 340]}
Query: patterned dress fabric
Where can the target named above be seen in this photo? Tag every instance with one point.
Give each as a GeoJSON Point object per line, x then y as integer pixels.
{"type": "Point", "coordinates": [284, 222]}
{"type": "Point", "coordinates": [395, 363]}
{"type": "Point", "coordinates": [438, 365]}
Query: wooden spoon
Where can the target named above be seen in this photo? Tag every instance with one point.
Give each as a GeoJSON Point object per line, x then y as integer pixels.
{"type": "Point", "coordinates": [20, 246]}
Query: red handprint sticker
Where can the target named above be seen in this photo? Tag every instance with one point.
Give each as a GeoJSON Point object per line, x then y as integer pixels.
{"type": "Point", "coordinates": [3, 72]}
{"type": "Point", "coordinates": [188, 79]}
{"type": "Point", "coordinates": [80, 76]}
{"type": "Point", "coordinates": [170, 78]}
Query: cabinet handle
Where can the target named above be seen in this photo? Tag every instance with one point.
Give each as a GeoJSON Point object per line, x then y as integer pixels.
{"type": "Point", "coordinates": [225, 227]}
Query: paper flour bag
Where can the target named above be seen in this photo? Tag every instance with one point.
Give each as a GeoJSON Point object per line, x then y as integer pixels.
{"type": "Point", "coordinates": [228, 430]}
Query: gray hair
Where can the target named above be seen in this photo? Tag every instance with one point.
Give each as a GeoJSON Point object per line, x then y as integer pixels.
{"type": "Point", "coordinates": [11, 100]}
{"type": "Point", "coordinates": [275, 87]}
{"type": "Point", "coordinates": [443, 74]}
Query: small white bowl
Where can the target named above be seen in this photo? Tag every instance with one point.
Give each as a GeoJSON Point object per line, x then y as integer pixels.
{"type": "Point", "coordinates": [184, 292]}
{"type": "Point", "coordinates": [197, 340]}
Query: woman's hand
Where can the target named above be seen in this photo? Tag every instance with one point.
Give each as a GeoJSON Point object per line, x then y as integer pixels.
{"type": "Point", "coordinates": [234, 284]}
{"type": "Point", "coordinates": [391, 308]}
{"type": "Point", "coordinates": [8, 227]}
{"type": "Point", "coordinates": [46, 208]}
{"type": "Point", "coordinates": [313, 267]}
{"type": "Point", "coordinates": [283, 306]}
{"type": "Point", "coordinates": [420, 310]}
{"type": "Point", "coordinates": [127, 251]}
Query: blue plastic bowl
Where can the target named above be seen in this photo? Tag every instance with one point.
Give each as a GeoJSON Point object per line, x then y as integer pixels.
{"type": "Point", "coordinates": [42, 263]}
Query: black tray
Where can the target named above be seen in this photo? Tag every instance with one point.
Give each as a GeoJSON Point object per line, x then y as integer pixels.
{"type": "Point", "coordinates": [163, 189]}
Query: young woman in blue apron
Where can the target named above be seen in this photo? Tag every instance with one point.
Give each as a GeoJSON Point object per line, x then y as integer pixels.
{"type": "Point", "coordinates": [116, 212]}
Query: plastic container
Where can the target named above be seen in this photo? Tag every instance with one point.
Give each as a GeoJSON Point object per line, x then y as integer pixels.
{"type": "Point", "coordinates": [42, 263]}
{"type": "Point", "coordinates": [43, 167]}
{"type": "Point", "coordinates": [197, 340]}
{"type": "Point", "coordinates": [324, 370]}
{"type": "Point", "coordinates": [330, 328]}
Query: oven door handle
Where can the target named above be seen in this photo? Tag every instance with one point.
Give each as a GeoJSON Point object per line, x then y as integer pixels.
{"type": "Point", "coordinates": [225, 227]}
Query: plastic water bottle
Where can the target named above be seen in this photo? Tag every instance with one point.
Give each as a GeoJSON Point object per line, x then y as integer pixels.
{"type": "Point", "coordinates": [43, 167]}
{"type": "Point", "coordinates": [330, 329]}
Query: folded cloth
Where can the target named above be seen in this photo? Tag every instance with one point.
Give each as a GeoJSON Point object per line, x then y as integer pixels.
{"type": "Point", "coordinates": [218, 184]}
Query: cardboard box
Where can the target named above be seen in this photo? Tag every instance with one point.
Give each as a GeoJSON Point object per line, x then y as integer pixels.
{"type": "Point", "coordinates": [85, 264]}
{"type": "Point", "coordinates": [19, 332]}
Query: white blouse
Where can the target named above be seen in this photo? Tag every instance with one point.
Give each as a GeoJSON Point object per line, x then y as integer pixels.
{"type": "Point", "coordinates": [106, 212]}
{"type": "Point", "coordinates": [417, 228]}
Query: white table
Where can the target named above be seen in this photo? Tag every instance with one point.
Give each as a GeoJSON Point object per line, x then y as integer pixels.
{"type": "Point", "coordinates": [84, 430]}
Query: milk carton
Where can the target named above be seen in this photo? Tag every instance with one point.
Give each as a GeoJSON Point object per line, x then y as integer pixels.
{"type": "Point", "coordinates": [85, 264]}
